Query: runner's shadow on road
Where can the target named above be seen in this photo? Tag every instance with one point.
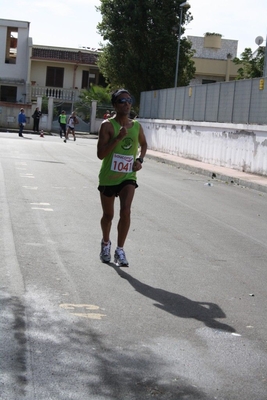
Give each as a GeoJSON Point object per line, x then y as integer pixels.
{"type": "Point", "coordinates": [178, 305]}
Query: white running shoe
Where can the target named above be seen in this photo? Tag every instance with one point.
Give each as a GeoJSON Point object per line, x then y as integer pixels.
{"type": "Point", "coordinates": [105, 256]}
{"type": "Point", "coordinates": [120, 258]}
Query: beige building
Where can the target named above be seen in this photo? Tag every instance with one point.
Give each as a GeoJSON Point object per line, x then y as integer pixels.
{"type": "Point", "coordinates": [28, 71]}
{"type": "Point", "coordinates": [214, 58]}
{"type": "Point", "coordinates": [62, 72]}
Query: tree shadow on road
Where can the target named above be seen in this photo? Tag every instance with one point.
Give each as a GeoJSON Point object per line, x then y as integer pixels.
{"type": "Point", "coordinates": [178, 305]}
{"type": "Point", "coordinates": [50, 354]}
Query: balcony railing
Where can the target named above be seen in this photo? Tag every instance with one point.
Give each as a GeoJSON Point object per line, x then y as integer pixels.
{"type": "Point", "coordinates": [60, 94]}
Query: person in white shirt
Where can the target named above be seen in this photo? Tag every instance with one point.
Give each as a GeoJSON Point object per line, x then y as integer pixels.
{"type": "Point", "coordinates": [72, 121]}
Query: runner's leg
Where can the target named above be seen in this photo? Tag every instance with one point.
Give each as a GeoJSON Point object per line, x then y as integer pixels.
{"type": "Point", "coordinates": [107, 217]}
{"type": "Point", "coordinates": [126, 196]}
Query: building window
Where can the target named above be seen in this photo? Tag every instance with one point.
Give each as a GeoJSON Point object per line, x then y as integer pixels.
{"type": "Point", "coordinates": [88, 79]}
{"type": "Point", "coordinates": [11, 45]}
{"type": "Point", "coordinates": [92, 79]}
{"type": "Point", "coordinates": [205, 81]}
{"type": "Point", "coordinates": [8, 93]}
{"type": "Point", "coordinates": [85, 80]}
{"type": "Point", "coordinates": [54, 77]}
{"type": "Point", "coordinates": [102, 81]}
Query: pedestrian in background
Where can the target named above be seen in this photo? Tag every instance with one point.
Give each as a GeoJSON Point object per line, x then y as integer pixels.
{"type": "Point", "coordinates": [118, 141]}
{"type": "Point", "coordinates": [72, 121]}
{"type": "Point", "coordinates": [106, 115]}
{"type": "Point", "coordinates": [36, 119]}
{"type": "Point", "coordinates": [62, 119]}
{"type": "Point", "coordinates": [21, 121]}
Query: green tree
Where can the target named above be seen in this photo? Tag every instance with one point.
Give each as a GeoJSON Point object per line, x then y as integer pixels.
{"type": "Point", "coordinates": [251, 65]}
{"type": "Point", "coordinates": [98, 93]}
{"type": "Point", "coordinates": [141, 48]}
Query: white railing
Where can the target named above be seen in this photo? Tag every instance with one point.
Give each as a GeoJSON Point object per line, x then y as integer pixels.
{"type": "Point", "coordinates": [70, 95]}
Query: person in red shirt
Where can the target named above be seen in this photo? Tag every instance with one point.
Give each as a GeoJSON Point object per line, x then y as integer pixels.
{"type": "Point", "coordinates": [106, 115]}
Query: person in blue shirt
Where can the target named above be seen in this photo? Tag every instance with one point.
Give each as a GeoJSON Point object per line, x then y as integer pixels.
{"type": "Point", "coordinates": [21, 121]}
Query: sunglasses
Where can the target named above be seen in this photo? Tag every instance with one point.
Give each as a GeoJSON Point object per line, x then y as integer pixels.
{"type": "Point", "coordinates": [124, 100]}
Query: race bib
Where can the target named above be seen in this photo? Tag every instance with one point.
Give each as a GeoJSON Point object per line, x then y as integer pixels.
{"type": "Point", "coordinates": [121, 163]}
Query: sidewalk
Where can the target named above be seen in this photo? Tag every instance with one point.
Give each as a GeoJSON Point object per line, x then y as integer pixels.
{"type": "Point", "coordinates": [229, 175]}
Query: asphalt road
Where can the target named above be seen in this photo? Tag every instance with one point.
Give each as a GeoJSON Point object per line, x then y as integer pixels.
{"type": "Point", "coordinates": [187, 320]}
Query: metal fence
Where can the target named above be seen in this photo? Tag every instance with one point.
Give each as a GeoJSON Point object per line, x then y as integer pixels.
{"type": "Point", "coordinates": [238, 102]}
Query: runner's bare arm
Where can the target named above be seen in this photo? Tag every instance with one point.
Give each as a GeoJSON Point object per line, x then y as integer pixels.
{"type": "Point", "coordinates": [142, 142]}
{"type": "Point", "coordinates": [106, 141]}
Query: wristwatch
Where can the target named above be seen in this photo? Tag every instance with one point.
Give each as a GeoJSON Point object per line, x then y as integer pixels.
{"type": "Point", "coordinates": [140, 159]}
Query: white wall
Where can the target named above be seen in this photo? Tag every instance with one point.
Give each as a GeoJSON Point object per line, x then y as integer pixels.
{"type": "Point", "coordinates": [15, 74]}
{"type": "Point", "coordinates": [20, 69]}
{"type": "Point", "coordinates": [241, 147]}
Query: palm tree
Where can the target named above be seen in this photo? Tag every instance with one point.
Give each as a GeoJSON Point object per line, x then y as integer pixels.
{"type": "Point", "coordinates": [98, 93]}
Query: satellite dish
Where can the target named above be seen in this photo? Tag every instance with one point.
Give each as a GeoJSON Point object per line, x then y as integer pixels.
{"type": "Point", "coordinates": [259, 40]}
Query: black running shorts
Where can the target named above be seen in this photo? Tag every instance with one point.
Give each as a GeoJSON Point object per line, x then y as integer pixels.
{"type": "Point", "coordinates": [114, 190]}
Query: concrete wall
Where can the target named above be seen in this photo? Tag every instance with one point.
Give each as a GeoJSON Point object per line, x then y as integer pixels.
{"type": "Point", "coordinates": [9, 116]}
{"type": "Point", "coordinates": [237, 146]}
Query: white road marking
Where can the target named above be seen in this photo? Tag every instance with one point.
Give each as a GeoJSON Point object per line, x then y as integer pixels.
{"type": "Point", "coordinates": [40, 204]}
{"type": "Point", "coordinates": [41, 208]}
{"type": "Point", "coordinates": [31, 176]}
{"type": "Point", "coordinates": [68, 306]}
{"type": "Point", "coordinates": [91, 315]}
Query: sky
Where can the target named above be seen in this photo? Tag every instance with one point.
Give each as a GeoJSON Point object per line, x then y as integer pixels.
{"type": "Point", "coordinates": [72, 23]}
